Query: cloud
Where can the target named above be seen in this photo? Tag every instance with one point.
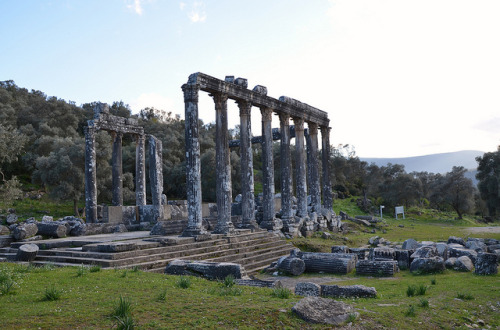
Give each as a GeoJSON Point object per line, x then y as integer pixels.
{"type": "Point", "coordinates": [136, 6]}
{"type": "Point", "coordinates": [196, 13]}
{"type": "Point", "coordinates": [154, 100]}
{"type": "Point", "coordinates": [491, 125]}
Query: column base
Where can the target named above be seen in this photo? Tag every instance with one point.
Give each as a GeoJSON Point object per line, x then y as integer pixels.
{"type": "Point", "coordinates": [252, 225]}
{"type": "Point", "coordinates": [224, 228]}
{"type": "Point", "coordinates": [193, 232]}
{"type": "Point", "coordinates": [273, 224]}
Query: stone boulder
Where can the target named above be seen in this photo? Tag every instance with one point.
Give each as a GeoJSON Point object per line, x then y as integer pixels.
{"type": "Point", "coordinates": [27, 252]}
{"type": "Point", "coordinates": [410, 244]}
{"type": "Point", "coordinates": [458, 252]}
{"type": "Point", "coordinates": [4, 230]}
{"type": "Point", "coordinates": [323, 310]}
{"type": "Point", "coordinates": [456, 240]}
{"type": "Point", "coordinates": [450, 263]}
{"type": "Point", "coordinates": [349, 291]}
{"type": "Point", "coordinates": [442, 250]}
{"type": "Point", "coordinates": [24, 231]}
{"type": "Point", "coordinates": [476, 245]}
{"type": "Point", "coordinates": [427, 265]}
{"type": "Point", "coordinates": [426, 251]}
{"type": "Point", "coordinates": [11, 218]}
{"type": "Point", "coordinates": [463, 264]}
{"type": "Point", "coordinates": [307, 289]}
{"type": "Point", "coordinates": [486, 264]}
{"type": "Point", "coordinates": [206, 269]}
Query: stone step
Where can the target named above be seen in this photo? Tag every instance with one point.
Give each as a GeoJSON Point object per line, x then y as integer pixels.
{"type": "Point", "coordinates": [250, 256]}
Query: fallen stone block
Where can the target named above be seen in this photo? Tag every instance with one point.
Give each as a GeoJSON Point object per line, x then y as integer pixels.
{"type": "Point", "coordinates": [52, 229]}
{"type": "Point", "coordinates": [307, 289]}
{"type": "Point", "coordinates": [259, 283]}
{"type": "Point", "coordinates": [410, 244]}
{"type": "Point", "coordinates": [323, 310]}
{"type": "Point", "coordinates": [463, 264]}
{"type": "Point", "coordinates": [456, 240]}
{"type": "Point", "coordinates": [27, 252]}
{"type": "Point", "coordinates": [206, 269]}
{"type": "Point", "coordinates": [292, 266]}
{"type": "Point", "coordinates": [340, 249]}
{"type": "Point", "coordinates": [458, 252]}
{"type": "Point", "coordinates": [24, 231]}
{"type": "Point", "coordinates": [377, 268]}
{"type": "Point", "coordinates": [334, 263]}
{"type": "Point", "coordinates": [403, 259]}
{"type": "Point", "coordinates": [486, 264]}
{"type": "Point", "coordinates": [381, 254]}
{"type": "Point", "coordinates": [5, 240]}
{"type": "Point", "coordinates": [349, 291]}
{"type": "Point", "coordinates": [426, 251]}
{"type": "Point", "coordinates": [427, 265]}
{"type": "Point", "coordinates": [4, 230]}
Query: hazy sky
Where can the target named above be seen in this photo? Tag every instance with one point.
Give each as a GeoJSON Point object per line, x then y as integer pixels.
{"type": "Point", "coordinates": [398, 78]}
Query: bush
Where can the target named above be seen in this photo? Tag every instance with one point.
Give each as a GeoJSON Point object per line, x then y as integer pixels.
{"type": "Point", "coordinates": [52, 294]}
{"type": "Point", "coordinates": [282, 293]}
{"type": "Point", "coordinates": [122, 309]}
{"type": "Point", "coordinates": [183, 282]}
{"type": "Point", "coordinates": [421, 290]}
{"type": "Point", "coordinates": [411, 290]}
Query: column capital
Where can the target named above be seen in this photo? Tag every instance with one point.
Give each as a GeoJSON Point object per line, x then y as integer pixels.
{"type": "Point", "coordinates": [284, 117]}
{"type": "Point", "coordinates": [190, 92]}
{"type": "Point", "coordinates": [299, 123]}
{"type": "Point", "coordinates": [325, 129]}
{"type": "Point", "coordinates": [219, 99]}
{"type": "Point", "coordinates": [313, 128]}
{"type": "Point", "coordinates": [245, 107]}
{"type": "Point", "coordinates": [267, 113]}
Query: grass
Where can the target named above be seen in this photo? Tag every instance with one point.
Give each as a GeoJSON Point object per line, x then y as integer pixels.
{"type": "Point", "coordinates": [411, 311]}
{"type": "Point", "coordinates": [465, 296]}
{"type": "Point", "coordinates": [281, 292]}
{"type": "Point", "coordinates": [183, 282]}
{"type": "Point", "coordinates": [122, 308]}
{"type": "Point", "coordinates": [424, 303]}
{"type": "Point", "coordinates": [27, 208]}
{"type": "Point", "coordinates": [52, 294]}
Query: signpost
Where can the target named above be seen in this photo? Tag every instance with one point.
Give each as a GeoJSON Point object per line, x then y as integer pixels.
{"type": "Point", "coordinates": [381, 215]}
{"type": "Point", "coordinates": [400, 210]}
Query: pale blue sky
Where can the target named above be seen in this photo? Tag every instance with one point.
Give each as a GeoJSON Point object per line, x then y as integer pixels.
{"type": "Point", "coordinates": [397, 77]}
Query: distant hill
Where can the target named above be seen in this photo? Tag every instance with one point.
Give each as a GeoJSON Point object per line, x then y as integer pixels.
{"type": "Point", "coordinates": [436, 163]}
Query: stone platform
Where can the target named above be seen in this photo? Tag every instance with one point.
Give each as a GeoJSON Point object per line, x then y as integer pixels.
{"type": "Point", "coordinates": [254, 250]}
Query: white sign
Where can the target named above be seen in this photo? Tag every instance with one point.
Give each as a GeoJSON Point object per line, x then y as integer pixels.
{"type": "Point", "coordinates": [400, 210]}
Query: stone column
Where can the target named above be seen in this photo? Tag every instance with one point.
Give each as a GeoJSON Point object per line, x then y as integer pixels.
{"type": "Point", "coordinates": [325, 158]}
{"type": "Point", "coordinates": [268, 220]}
{"type": "Point", "coordinates": [193, 167]}
{"type": "Point", "coordinates": [156, 174]}
{"type": "Point", "coordinates": [90, 176]}
{"type": "Point", "coordinates": [286, 169]}
{"type": "Point", "coordinates": [222, 167]}
{"type": "Point", "coordinates": [300, 168]}
{"type": "Point", "coordinates": [246, 153]}
{"type": "Point", "coordinates": [116, 170]}
{"type": "Point", "coordinates": [140, 171]}
{"type": "Point", "coordinates": [312, 168]}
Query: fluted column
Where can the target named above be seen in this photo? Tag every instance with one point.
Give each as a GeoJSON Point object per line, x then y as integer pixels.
{"type": "Point", "coordinates": [222, 167]}
{"type": "Point", "coordinates": [300, 168]}
{"type": "Point", "coordinates": [312, 167]}
{"type": "Point", "coordinates": [140, 171]}
{"type": "Point", "coordinates": [90, 176]}
{"type": "Point", "coordinates": [116, 170]}
{"type": "Point", "coordinates": [268, 219]}
{"type": "Point", "coordinates": [286, 168]}
{"type": "Point", "coordinates": [156, 174]}
{"type": "Point", "coordinates": [246, 154]}
{"type": "Point", "coordinates": [193, 167]}
{"type": "Point", "coordinates": [325, 158]}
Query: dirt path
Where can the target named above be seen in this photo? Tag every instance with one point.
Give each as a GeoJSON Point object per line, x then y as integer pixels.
{"type": "Point", "coordinates": [475, 230]}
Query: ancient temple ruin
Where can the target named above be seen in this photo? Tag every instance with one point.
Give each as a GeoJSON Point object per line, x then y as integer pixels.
{"type": "Point", "coordinates": [286, 108]}
{"type": "Point", "coordinates": [118, 126]}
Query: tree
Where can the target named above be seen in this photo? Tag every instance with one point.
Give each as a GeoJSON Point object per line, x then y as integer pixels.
{"type": "Point", "coordinates": [455, 190]}
{"type": "Point", "coordinates": [488, 174]}
{"type": "Point", "coordinates": [11, 146]}
{"type": "Point", "coordinates": [62, 171]}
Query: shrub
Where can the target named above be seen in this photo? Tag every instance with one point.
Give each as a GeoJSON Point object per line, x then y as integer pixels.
{"type": "Point", "coordinates": [52, 294]}
{"type": "Point", "coordinates": [282, 293]}
{"type": "Point", "coordinates": [229, 281]}
{"type": "Point", "coordinates": [122, 309]}
{"type": "Point", "coordinates": [7, 286]}
{"type": "Point", "coordinates": [424, 303]}
{"type": "Point", "coordinates": [95, 268]}
{"type": "Point", "coordinates": [421, 290]}
{"type": "Point", "coordinates": [465, 296]}
{"type": "Point", "coordinates": [410, 311]}
{"type": "Point", "coordinates": [183, 282]}
{"type": "Point", "coordinates": [433, 281]}
{"type": "Point", "coordinates": [125, 323]}
{"type": "Point", "coordinates": [411, 290]}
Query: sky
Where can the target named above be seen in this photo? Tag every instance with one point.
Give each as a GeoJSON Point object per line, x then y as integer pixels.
{"type": "Point", "coordinates": [398, 78]}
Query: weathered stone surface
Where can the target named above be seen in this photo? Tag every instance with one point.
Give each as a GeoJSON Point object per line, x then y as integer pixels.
{"type": "Point", "coordinates": [381, 254]}
{"type": "Point", "coordinates": [403, 259]}
{"type": "Point", "coordinates": [24, 231]}
{"type": "Point", "coordinates": [209, 270]}
{"type": "Point", "coordinates": [410, 244]}
{"type": "Point", "coordinates": [259, 283]}
{"type": "Point", "coordinates": [307, 289]}
{"type": "Point", "coordinates": [349, 291]}
{"type": "Point", "coordinates": [486, 264]}
{"type": "Point", "coordinates": [340, 249]}
{"type": "Point", "coordinates": [377, 268]}
{"type": "Point", "coordinates": [374, 240]}
{"type": "Point", "coordinates": [4, 230]}
{"type": "Point", "coordinates": [117, 247]}
{"type": "Point", "coordinates": [78, 229]}
{"type": "Point", "coordinates": [47, 218]}
{"type": "Point", "coordinates": [27, 252]}
{"type": "Point", "coordinates": [361, 253]}
{"type": "Point", "coordinates": [463, 264]}
{"type": "Point", "coordinates": [427, 265]}
{"type": "Point", "coordinates": [458, 252]}
{"type": "Point", "coordinates": [11, 218]}
{"type": "Point", "coordinates": [52, 229]}
{"type": "Point", "coordinates": [323, 310]}
{"type": "Point", "coordinates": [292, 266]}
{"type": "Point", "coordinates": [456, 240]}
{"type": "Point", "coordinates": [5, 240]}
{"type": "Point", "coordinates": [450, 263]}
{"type": "Point", "coordinates": [476, 245]}
{"type": "Point", "coordinates": [426, 251]}
{"type": "Point", "coordinates": [442, 250]}
{"type": "Point", "coordinates": [335, 263]}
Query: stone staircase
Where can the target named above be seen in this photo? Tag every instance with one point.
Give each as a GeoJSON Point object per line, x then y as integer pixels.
{"type": "Point", "coordinates": [254, 250]}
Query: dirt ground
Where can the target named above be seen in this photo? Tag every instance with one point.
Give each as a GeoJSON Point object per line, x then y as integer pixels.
{"type": "Point", "coordinates": [475, 230]}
